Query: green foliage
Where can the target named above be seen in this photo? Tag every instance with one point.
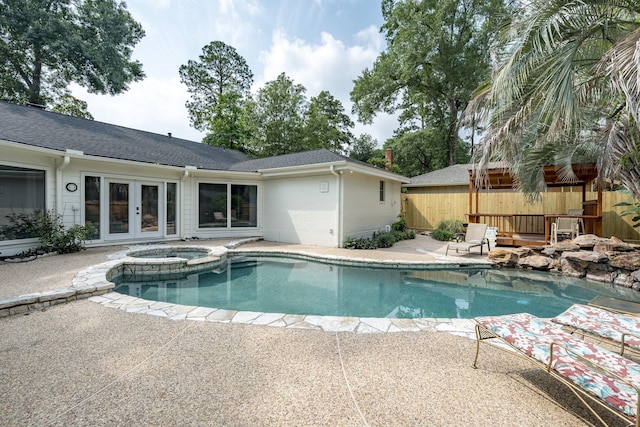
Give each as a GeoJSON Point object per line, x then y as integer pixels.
{"type": "Point", "coordinates": [278, 118]}
{"type": "Point", "coordinates": [363, 147]}
{"type": "Point", "coordinates": [564, 89]}
{"type": "Point", "coordinates": [437, 54]}
{"type": "Point", "coordinates": [384, 240]}
{"type": "Point", "coordinates": [447, 230]}
{"type": "Point", "coordinates": [379, 240]}
{"type": "Point", "coordinates": [400, 224]}
{"type": "Point", "coordinates": [72, 106]}
{"type": "Point", "coordinates": [220, 71]}
{"type": "Point", "coordinates": [227, 124]}
{"type": "Point", "coordinates": [47, 45]}
{"type": "Point", "coordinates": [358, 243]}
{"type": "Point", "coordinates": [632, 209]}
{"type": "Point", "coordinates": [49, 228]}
{"type": "Point", "coordinates": [327, 125]}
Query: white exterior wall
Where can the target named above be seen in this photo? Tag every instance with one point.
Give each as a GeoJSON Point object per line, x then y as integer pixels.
{"type": "Point", "coordinates": [299, 210]}
{"type": "Point", "coordinates": [20, 159]}
{"type": "Point", "coordinates": [70, 205]}
{"type": "Point", "coordinates": [363, 212]}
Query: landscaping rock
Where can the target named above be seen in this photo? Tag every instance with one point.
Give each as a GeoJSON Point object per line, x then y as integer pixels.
{"type": "Point", "coordinates": [629, 261]}
{"type": "Point", "coordinates": [587, 241]}
{"type": "Point", "coordinates": [536, 262]}
{"type": "Point", "coordinates": [572, 269]}
{"type": "Point", "coordinates": [503, 257]}
{"type": "Point", "coordinates": [613, 245]}
{"type": "Point", "coordinates": [585, 257]}
{"type": "Point", "coordinates": [564, 246]}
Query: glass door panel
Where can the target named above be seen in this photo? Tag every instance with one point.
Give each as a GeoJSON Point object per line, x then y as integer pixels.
{"type": "Point", "coordinates": [119, 208]}
{"type": "Point", "coordinates": [149, 208]}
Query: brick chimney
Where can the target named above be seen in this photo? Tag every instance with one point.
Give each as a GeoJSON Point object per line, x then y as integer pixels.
{"type": "Point", "coordinates": [388, 155]}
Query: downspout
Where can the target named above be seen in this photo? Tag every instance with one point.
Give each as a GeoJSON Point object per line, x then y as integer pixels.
{"type": "Point", "coordinates": [65, 162]}
{"type": "Point", "coordinates": [338, 228]}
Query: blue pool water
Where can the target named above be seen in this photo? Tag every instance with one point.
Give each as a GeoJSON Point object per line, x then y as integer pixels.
{"type": "Point", "coordinates": [292, 286]}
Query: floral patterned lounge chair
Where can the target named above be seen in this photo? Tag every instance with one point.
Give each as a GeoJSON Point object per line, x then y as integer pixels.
{"type": "Point", "coordinates": [602, 324]}
{"type": "Point", "coordinates": [604, 377]}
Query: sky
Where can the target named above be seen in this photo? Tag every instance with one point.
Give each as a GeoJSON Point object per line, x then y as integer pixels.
{"type": "Point", "coordinates": [320, 44]}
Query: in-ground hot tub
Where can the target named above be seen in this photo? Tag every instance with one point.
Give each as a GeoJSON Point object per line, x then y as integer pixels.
{"type": "Point", "coordinates": [168, 261]}
{"type": "Point", "coordinates": [185, 252]}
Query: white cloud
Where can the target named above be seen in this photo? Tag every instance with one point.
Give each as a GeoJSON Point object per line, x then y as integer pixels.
{"type": "Point", "coordinates": [329, 65]}
{"type": "Point", "coordinates": [144, 106]}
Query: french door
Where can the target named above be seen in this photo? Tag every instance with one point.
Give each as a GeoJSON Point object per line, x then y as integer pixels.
{"type": "Point", "coordinates": [134, 209]}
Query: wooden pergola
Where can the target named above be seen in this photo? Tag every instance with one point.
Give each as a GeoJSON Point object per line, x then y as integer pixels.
{"type": "Point", "coordinates": [534, 229]}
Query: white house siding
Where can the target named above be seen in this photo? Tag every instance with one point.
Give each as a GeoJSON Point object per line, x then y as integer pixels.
{"type": "Point", "coordinates": [70, 205]}
{"type": "Point", "coordinates": [363, 212]}
{"type": "Point", "coordinates": [301, 210]}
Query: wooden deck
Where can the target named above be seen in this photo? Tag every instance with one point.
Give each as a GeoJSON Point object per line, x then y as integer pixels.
{"type": "Point", "coordinates": [530, 230]}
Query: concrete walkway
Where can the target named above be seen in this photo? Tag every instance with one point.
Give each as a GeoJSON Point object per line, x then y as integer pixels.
{"type": "Point", "coordinates": [85, 364]}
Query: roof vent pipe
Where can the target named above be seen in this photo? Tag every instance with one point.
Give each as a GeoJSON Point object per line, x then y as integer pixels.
{"type": "Point", "coordinates": [169, 134]}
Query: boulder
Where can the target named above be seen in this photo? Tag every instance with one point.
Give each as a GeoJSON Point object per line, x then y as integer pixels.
{"type": "Point", "coordinates": [613, 245]}
{"type": "Point", "coordinates": [629, 261]}
{"type": "Point", "coordinates": [523, 251]}
{"type": "Point", "coordinates": [536, 262]}
{"type": "Point", "coordinates": [585, 257]}
{"type": "Point", "coordinates": [503, 257]}
{"type": "Point", "coordinates": [564, 246]}
{"type": "Point", "coordinates": [572, 269]}
{"type": "Point", "coordinates": [587, 241]}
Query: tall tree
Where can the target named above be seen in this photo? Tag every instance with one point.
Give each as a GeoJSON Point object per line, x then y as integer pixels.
{"type": "Point", "coordinates": [220, 71]}
{"type": "Point", "coordinates": [47, 44]}
{"type": "Point", "coordinates": [363, 147]}
{"type": "Point", "coordinates": [72, 106]}
{"type": "Point", "coordinates": [278, 118]}
{"type": "Point", "coordinates": [437, 54]}
{"type": "Point", "coordinates": [565, 89]}
{"type": "Point", "coordinates": [327, 125]}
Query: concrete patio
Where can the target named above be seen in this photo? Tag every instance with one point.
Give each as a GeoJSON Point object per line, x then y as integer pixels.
{"type": "Point", "coordinates": [82, 363]}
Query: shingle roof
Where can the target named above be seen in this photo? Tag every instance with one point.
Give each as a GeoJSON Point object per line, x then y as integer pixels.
{"type": "Point", "coordinates": [452, 175]}
{"type": "Point", "coordinates": [40, 128]}
{"type": "Point", "coordinates": [290, 160]}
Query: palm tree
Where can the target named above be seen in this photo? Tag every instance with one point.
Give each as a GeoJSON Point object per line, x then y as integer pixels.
{"type": "Point", "coordinates": [564, 89]}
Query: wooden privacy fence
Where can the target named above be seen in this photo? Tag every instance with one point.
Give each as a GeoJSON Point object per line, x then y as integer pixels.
{"type": "Point", "coordinates": [425, 210]}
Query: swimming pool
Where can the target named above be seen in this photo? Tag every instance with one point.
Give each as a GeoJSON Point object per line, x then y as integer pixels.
{"type": "Point", "coordinates": [299, 286]}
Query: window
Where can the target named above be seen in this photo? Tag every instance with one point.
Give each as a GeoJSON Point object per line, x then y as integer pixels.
{"type": "Point", "coordinates": [172, 193]}
{"type": "Point", "coordinates": [92, 204]}
{"type": "Point", "coordinates": [382, 191]}
{"type": "Point", "coordinates": [216, 201]}
{"type": "Point", "coordinates": [244, 206]}
{"type": "Point", "coordinates": [21, 193]}
{"type": "Point", "coordinates": [212, 205]}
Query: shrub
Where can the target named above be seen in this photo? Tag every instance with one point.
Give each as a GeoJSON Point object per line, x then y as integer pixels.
{"type": "Point", "coordinates": [400, 224]}
{"type": "Point", "coordinates": [447, 230]}
{"type": "Point", "coordinates": [358, 243]}
{"type": "Point", "coordinates": [442, 235]}
{"type": "Point", "coordinates": [49, 228]}
{"type": "Point", "coordinates": [384, 240]}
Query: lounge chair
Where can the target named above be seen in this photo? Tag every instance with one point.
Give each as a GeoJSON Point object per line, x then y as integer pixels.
{"type": "Point", "coordinates": [567, 227]}
{"type": "Point", "coordinates": [474, 237]}
{"type": "Point", "coordinates": [602, 324]}
{"type": "Point", "coordinates": [580, 221]}
{"type": "Point", "coordinates": [591, 372]}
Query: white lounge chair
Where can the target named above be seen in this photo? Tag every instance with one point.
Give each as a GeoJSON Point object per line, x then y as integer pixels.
{"type": "Point", "coordinates": [474, 237]}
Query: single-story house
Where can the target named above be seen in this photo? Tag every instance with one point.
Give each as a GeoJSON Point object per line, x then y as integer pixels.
{"type": "Point", "coordinates": [137, 186]}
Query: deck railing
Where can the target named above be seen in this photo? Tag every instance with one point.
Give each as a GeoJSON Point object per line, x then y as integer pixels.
{"type": "Point", "coordinates": [509, 226]}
